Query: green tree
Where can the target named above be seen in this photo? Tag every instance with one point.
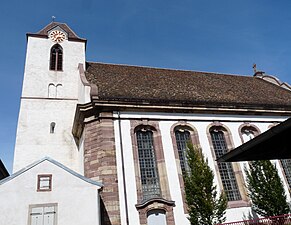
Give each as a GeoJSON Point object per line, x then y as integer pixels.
{"type": "Point", "coordinates": [265, 189]}
{"type": "Point", "coordinates": [204, 207]}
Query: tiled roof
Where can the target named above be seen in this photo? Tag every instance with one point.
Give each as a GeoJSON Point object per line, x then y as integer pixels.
{"type": "Point", "coordinates": [71, 34]}
{"type": "Point", "coordinates": [167, 86]}
{"type": "Point", "coordinates": [3, 171]}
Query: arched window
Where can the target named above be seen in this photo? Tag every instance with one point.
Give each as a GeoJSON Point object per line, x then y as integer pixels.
{"type": "Point", "coordinates": [248, 131]}
{"type": "Point", "coordinates": [226, 171]}
{"type": "Point", "coordinates": [182, 139]}
{"type": "Point", "coordinates": [52, 91]}
{"type": "Point", "coordinates": [286, 164]}
{"type": "Point", "coordinates": [52, 127]}
{"type": "Point", "coordinates": [59, 90]}
{"type": "Point", "coordinates": [148, 165]}
{"type": "Point", "coordinates": [247, 135]}
{"type": "Point", "coordinates": [56, 58]}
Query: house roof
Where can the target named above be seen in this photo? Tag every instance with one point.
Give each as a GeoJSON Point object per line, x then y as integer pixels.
{"type": "Point", "coordinates": [273, 144]}
{"type": "Point", "coordinates": [187, 88]}
{"type": "Point", "coordinates": [44, 31]}
{"type": "Point", "coordinates": [3, 171]}
{"type": "Point", "coordinates": [55, 163]}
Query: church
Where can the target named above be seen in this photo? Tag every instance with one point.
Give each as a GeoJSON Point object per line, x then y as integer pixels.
{"type": "Point", "coordinates": [105, 144]}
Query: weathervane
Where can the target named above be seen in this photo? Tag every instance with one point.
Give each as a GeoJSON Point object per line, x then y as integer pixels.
{"type": "Point", "coordinates": [53, 18]}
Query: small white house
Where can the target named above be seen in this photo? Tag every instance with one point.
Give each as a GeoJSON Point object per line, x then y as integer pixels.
{"type": "Point", "coordinates": [48, 193]}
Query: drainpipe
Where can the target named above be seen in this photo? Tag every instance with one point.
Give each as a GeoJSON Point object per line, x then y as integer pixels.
{"type": "Point", "coordinates": [123, 171]}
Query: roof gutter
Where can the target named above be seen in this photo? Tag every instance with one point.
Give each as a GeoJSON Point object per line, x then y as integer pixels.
{"type": "Point", "coordinates": [186, 108]}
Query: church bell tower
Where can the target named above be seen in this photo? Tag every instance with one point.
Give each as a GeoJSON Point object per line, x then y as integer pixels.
{"type": "Point", "coordinates": [49, 97]}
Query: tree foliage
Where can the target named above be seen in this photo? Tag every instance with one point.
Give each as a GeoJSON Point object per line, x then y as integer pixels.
{"type": "Point", "coordinates": [265, 189]}
{"type": "Point", "coordinates": [205, 208]}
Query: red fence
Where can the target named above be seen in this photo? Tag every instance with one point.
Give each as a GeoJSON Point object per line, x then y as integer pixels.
{"type": "Point", "coordinates": [274, 220]}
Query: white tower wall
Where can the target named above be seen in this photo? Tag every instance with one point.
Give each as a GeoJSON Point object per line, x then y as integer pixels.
{"type": "Point", "coordinates": [48, 96]}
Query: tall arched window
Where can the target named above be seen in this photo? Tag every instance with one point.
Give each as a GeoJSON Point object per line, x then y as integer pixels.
{"type": "Point", "coordinates": [248, 131]}
{"type": "Point", "coordinates": [56, 58]}
{"type": "Point", "coordinates": [226, 171]}
{"type": "Point", "coordinates": [182, 138]}
{"type": "Point", "coordinates": [148, 165]}
{"type": "Point", "coordinates": [286, 164]}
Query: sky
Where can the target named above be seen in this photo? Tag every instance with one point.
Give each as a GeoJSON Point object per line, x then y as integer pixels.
{"type": "Point", "coordinates": [225, 36]}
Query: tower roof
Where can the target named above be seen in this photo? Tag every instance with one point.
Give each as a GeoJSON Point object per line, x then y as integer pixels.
{"type": "Point", "coordinates": [72, 36]}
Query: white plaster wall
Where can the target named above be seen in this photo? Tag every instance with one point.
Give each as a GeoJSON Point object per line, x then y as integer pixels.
{"type": "Point", "coordinates": [201, 122]}
{"type": "Point", "coordinates": [84, 92]}
{"type": "Point", "coordinates": [34, 140]}
{"type": "Point", "coordinates": [37, 75]}
{"type": "Point", "coordinates": [78, 201]}
{"type": "Point", "coordinates": [37, 111]}
{"type": "Point", "coordinates": [81, 154]}
{"type": "Point", "coordinates": [129, 173]}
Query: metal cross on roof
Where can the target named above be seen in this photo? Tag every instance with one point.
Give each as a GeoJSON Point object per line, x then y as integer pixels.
{"type": "Point", "coordinates": [255, 67]}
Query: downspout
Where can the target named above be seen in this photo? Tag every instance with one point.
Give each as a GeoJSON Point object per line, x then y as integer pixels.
{"type": "Point", "coordinates": [123, 171]}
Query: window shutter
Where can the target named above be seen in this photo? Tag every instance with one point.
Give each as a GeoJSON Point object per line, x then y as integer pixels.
{"type": "Point", "coordinates": [49, 215]}
{"type": "Point", "coordinates": [43, 215]}
{"type": "Point", "coordinates": [37, 216]}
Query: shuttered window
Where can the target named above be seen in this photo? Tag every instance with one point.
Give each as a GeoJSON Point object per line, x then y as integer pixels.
{"type": "Point", "coordinates": [43, 215]}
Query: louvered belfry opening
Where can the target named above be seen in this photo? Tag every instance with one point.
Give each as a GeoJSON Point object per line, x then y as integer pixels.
{"type": "Point", "coordinates": [56, 58]}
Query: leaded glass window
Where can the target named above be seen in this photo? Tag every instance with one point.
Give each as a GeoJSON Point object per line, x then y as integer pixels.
{"type": "Point", "coordinates": [225, 168]}
{"type": "Point", "coordinates": [182, 138]}
{"type": "Point", "coordinates": [286, 164]}
{"type": "Point", "coordinates": [148, 165]}
{"type": "Point", "coordinates": [56, 58]}
{"type": "Point", "coordinates": [248, 133]}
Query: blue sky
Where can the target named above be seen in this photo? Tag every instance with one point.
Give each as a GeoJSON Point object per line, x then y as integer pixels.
{"type": "Point", "coordinates": [225, 36]}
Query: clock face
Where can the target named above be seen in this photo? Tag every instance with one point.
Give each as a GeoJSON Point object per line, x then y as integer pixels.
{"type": "Point", "coordinates": [57, 36]}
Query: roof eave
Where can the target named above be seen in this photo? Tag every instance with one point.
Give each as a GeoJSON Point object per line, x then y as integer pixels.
{"type": "Point", "coordinates": [192, 107]}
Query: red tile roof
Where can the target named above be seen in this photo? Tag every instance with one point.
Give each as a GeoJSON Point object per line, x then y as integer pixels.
{"type": "Point", "coordinates": [191, 88]}
{"type": "Point", "coordinates": [44, 32]}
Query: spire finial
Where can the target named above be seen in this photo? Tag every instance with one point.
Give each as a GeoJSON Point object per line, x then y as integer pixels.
{"type": "Point", "coordinates": [53, 18]}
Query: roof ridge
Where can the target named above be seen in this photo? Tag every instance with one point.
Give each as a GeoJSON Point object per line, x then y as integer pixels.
{"type": "Point", "coordinates": [49, 159]}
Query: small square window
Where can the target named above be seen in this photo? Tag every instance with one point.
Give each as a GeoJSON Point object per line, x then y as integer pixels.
{"type": "Point", "coordinates": [44, 182]}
